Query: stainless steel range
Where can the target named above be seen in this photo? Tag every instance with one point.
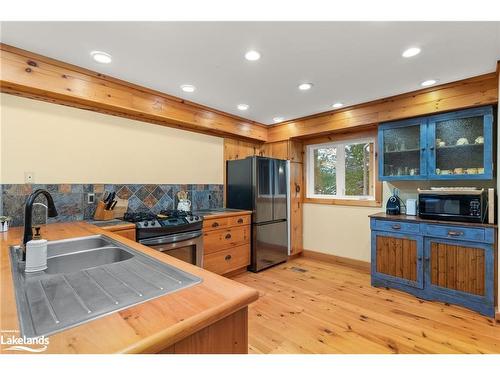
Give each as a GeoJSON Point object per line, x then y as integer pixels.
{"type": "Point", "coordinates": [175, 233]}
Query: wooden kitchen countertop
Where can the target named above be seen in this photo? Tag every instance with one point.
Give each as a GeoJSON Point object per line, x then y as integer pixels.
{"type": "Point", "coordinates": [225, 213]}
{"type": "Point", "coordinates": [416, 219]}
{"type": "Point", "coordinates": [145, 328]}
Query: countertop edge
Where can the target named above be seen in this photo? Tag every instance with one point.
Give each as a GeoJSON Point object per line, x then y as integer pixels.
{"type": "Point", "coordinates": [172, 333]}
{"type": "Point", "coordinates": [226, 214]}
{"type": "Point", "coordinates": [416, 219]}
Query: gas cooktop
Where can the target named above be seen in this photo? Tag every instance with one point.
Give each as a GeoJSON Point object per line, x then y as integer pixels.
{"type": "Point", "coordinates": [166, 222]}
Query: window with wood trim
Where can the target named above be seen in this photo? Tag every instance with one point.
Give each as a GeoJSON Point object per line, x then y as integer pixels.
{"type": "Point", "coordinates": [342, 170]}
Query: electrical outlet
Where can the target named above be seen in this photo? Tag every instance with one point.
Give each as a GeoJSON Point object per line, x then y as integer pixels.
{"type": "Point", "coordinates": [29, 177]}
{"type": "Point", "coordinates": [90, 198]}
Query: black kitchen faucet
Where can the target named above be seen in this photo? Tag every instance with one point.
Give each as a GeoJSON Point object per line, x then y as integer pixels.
{"type": "Point", "coordinates": [28, 214]}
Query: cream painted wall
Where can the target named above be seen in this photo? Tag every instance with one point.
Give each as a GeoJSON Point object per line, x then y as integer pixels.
{"type": "Point", "coordinates": [345, 230]}
{"type": "Point", "coordinates": [67, 145]}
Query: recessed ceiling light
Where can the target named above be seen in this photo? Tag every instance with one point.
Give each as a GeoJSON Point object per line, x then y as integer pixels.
{"type": "Point", "coordinates": [337, 105]}
{"type": "Point", "coordinates": [278, 119]}
{"type": "Point", "coordinates": [305, 86]}
{"type": "Point", "coordinates": [412, 51]}
{"type": "Point", "coordinates": [429, 82]}
{"type": "Point", "coordinates": [101, 57]}
{"type": "Point", "coordinates": [188, 88]}
{"type": "Point", "coordinates": [243, 107]}
{"type": "Point", "coordinates": [252, 55]}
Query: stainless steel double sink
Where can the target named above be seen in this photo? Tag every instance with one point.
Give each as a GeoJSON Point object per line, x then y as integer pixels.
{"type": "Point", "coordinates": [87, 278]}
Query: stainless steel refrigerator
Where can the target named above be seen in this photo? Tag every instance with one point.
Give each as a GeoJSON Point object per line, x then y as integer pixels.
{"type": "Point", "coordinates": [261, 185]}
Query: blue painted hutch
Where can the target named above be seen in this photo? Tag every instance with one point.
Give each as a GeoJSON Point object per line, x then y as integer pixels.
{"type": "Point", "coordinates": [450, 146]}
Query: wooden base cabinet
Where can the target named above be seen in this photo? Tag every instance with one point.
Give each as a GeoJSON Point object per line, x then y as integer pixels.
{"type": "Point", "coordinates": [226, 243]}
{"type": "Point", "coordinates": [398, 258]}
{"type": "Point", "coordinates": [448, 263]}
{"type": "Point", "coordinates": [227, 336]}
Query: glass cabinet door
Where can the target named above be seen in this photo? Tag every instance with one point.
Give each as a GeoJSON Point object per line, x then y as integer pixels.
{"type": "Point", "coordinates": [402, 147]}
{"type": "Point", "coordinates": [460, 144]}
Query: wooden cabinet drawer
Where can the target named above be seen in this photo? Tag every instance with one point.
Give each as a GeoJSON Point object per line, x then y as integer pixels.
{"type": "Point", "coordinates": [228, 260]}
{"type": "Point", "coordinates": [239, 220]}
{"type": "Point", "coordinates": [214, 224]}
{"type": "Point", "coordinates": [455, 232]}
{"type": "Point", "coordinates": [224, 238]}
{"type": "Point", "coordinates": [395, 226]}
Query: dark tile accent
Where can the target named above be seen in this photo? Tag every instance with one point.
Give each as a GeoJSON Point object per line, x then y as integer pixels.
{"type": "Point", "coordinates": [151, 187]}
{"type": "Point", "coordinates": [134, 187]}
{"type": "Point", "coordinates": [52, 188]}
{"type": "Point", "coordinates": [158, 193]}
{"type": "Point", "coordinates": [76, 188]}
{"type": "Point", "coordinates": [109, 187]}
{"type": "Point", "coordinates": [65, 188]}
{"type": "Point", "coordinates": [216, 199]}
{"type": "Point", "coordinates": [39, 186]}
{"type": "Point", "coordinates": [13, 206]}
{"type": "Point", "coordinates": [88, 188]}
{"type": "Point", "coordinates": [200, 200]}
{"type": "Point", "coordinates": [150, 200]}
{"type": "Point", "coordinates": [164, 203]}
{"type": "Point", "coordinates": [124, 192]}
{"type": "Point", "coordinates": [142, 193]}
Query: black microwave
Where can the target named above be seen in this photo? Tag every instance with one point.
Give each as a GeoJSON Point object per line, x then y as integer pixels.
{"type": "Point", "coordinates": [454, 204]}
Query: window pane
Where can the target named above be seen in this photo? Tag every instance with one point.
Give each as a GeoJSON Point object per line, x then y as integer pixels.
{"type": "Point", "coordinates": [358, 162]}
{"type": "Point", "coordinates": [325, 160]}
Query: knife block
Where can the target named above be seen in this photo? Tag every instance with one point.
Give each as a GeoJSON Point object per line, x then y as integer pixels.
{"type": "Point", "coordinates": [101, 213]}
{"type": "Point", "coordinates": [120, 208]}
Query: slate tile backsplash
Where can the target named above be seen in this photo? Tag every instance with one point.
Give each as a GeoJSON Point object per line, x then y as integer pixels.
{"type": "Point", "coordinates": [71, 199]}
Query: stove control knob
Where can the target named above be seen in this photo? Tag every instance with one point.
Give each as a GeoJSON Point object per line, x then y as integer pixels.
{"type": "Point", "coordinates": [146, 223]}
{"type": "Point", "coordinates": [152, 223]}
{"type": "Point", "coordinates": [197, 218]}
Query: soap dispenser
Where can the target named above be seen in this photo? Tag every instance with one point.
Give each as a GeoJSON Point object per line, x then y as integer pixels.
{"type": "Point", "coordinates": [36, 253]}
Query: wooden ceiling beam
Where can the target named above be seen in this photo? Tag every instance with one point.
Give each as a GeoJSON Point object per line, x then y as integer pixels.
{"type": "Point", "coordinates": [30, 75]}
{"type": "Point", "coordinates": [471, 92]}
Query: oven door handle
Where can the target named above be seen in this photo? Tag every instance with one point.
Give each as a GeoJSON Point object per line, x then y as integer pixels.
{"type": "Point", "coordinates": [170, 238]}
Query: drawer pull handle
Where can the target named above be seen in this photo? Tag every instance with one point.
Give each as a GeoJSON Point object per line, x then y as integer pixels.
{"type": "Point", "coordinates": [228, 236]}
{"type": "Point", "coordinates": [240, 220]}
{"type": "Point", "coordinates": [396, 226]}
{"type": "Point", "coordinates": [215, 224]}
{"type": "Point", "coordinates": [455, 233]}
{"type": "Point", "coordinates": [228, 258]}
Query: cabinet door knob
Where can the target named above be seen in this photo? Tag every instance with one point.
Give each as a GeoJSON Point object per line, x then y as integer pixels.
{"type": "Point", "coordinates": [228, 257]}
{"type": "Point", "coordinates": [240, 220]}
{"type": "Point", "coordinates": [228, 236]}
{"type": "Point", "coordinates": [396, 226]}
{"type": "Point", "coordinates": [454, 233]}
{"type": "Point", "coordinates": [215, 224]}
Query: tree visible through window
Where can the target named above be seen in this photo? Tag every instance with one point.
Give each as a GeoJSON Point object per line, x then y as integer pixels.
{"type": "Point", "coordinates": [357, 169]}
{"type": "Point", "coordinates": [341, 169]}
{"type": "Point", "coordinates": [325, 160]}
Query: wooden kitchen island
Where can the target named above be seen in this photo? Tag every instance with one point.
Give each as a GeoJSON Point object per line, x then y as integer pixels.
{"type": "Point", "coordinates": [210, 317]}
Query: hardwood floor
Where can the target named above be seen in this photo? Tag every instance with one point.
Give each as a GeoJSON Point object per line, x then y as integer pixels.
{"type": "Point", "coordinates": [310, 306]}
